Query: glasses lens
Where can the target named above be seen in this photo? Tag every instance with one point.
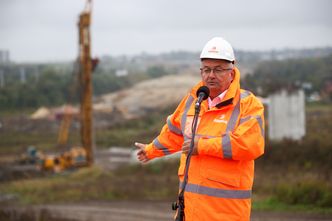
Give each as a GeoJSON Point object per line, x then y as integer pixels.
{"type": "Point", "coordinates": [218, 71]}
{"type": "Point", "coordinates": [206, 70]}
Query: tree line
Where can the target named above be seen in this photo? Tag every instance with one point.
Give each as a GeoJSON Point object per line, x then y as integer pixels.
{"type": "Point", "coordinates": [52, 86]}
{"type": "Point", "coordinates": [314, 75]}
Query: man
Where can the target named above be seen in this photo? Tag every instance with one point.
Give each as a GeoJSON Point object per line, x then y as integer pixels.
{"type": "Point", "coordinates": [229, 137]}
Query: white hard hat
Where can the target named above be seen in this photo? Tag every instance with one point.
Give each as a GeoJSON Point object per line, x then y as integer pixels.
{"type": "Point", "coordinates": [218, 48]}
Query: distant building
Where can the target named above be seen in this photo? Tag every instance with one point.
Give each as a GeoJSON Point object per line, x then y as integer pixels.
{"type": "Point", "coordinates": [121, 73]}
{"type": "Point", "coordinates": [286, 115]}
{"type": "Point", "coordinates": [23, 76]}
{"type": "Point", "coordinates": [4, 56]}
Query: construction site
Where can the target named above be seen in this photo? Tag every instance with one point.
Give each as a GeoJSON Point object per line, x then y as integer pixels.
{"type": "Point", "coordinates": [67, 133]}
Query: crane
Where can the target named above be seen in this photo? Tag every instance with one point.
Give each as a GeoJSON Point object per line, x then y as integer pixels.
{"type": "Point", "coordinates": [75, 156]}
{"type": "Point", "coordinates": [86, 80]}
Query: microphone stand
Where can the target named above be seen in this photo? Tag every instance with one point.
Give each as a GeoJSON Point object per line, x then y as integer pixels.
{"type": "Point", "coordinates": [179, 205]}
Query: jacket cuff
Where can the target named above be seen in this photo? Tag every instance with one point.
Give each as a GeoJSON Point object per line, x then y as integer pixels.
{"type": "Point", "coordinates": [149, 151]}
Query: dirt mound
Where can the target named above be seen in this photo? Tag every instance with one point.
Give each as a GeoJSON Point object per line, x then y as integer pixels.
{"type": "Point", "coordinates": [139, 100]}
{"type": "Point", "coordinates": [148, 96]}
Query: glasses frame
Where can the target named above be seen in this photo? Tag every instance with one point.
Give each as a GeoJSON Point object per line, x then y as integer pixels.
{"type": "Point", "coordinates": [216, 70]}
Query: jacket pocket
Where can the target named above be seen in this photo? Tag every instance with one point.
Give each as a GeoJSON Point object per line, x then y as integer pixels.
{"type": "Point", "coordinates": [223, 178]}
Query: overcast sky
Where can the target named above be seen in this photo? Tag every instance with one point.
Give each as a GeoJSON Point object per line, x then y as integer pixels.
{"type": "Point", "coordinates": [46, 30]}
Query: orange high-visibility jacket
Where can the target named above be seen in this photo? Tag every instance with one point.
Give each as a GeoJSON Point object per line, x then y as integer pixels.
{"type": "Point", "coordinates": [231, 136]}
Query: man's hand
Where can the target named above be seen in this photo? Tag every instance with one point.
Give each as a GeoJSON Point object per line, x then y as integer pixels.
{"type": "Point", "coordinates": [186, 146]}
{"type": "Point", "coordinates": [141, 154]}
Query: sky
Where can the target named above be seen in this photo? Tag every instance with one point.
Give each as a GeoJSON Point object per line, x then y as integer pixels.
{"type": "Point", "coordinates": [46, 30]}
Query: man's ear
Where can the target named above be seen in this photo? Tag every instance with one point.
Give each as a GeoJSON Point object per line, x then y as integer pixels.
{"type": "Point", "coordinates": [233, 74]}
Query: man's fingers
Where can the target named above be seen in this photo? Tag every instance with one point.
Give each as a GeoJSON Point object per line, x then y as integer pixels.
{"type": "Point", "coordinates": [141, 154]}
{"type": "Point", "coordinates": [185, 149]}
{"type": "Point", "coordinates": [185, 145]}
{"type": "Point", "coordinates": [141, 158]}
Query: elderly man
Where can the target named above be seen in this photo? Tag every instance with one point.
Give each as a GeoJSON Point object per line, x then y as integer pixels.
{"type": "Point", "coordinates": [229, 137]}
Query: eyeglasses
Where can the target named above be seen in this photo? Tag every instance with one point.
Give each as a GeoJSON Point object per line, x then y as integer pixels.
{"type": "Point", "coordinates": [216, 70]}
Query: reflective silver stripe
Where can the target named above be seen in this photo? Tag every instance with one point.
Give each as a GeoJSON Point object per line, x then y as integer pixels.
{"type": "Point", "coordinates": [161, 147]}
{"type": "Point", "coordinates": [235, 115]}
{"type": "Point", "coordinates": [244, 94]}
{"type": "Point", "coordinates": [260, 122]}
{"type": "Point", "coordinates": [226, 146]}
{"type": "Point", "coordinates": [216, 192]}
{"type": "Point", "coordinates": [172, 127]}
{"type": "Point", "coordinates": [226, 139]}
{"type": "Point", "coordinates": [184, 115]}
{"type": "Point", "coordinates": [258, 118]}
{"type": "Point", "coordinates": [242, 120]}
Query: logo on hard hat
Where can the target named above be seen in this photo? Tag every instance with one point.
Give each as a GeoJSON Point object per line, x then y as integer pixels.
{"type": "Point", "coordinates": [213, 50]}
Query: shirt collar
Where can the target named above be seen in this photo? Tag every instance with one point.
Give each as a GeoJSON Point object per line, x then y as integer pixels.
{"type": "Point", "coordinates": [216, 100]}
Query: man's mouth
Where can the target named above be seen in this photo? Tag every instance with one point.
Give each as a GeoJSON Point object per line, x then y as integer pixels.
{"type": "Point", "coordinates": [212, 83]}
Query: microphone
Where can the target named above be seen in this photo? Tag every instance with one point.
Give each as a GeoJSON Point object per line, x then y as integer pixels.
{"type": "Point", "coordinates": [202, 94]}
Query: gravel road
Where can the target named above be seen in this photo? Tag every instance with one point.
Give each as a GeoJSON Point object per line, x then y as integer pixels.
{"type": "Point", "coordinates": [127, 211]}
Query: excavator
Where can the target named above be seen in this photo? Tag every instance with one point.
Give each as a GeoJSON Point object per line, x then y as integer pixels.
{"type": "Point", "coordinates": [80, 155]}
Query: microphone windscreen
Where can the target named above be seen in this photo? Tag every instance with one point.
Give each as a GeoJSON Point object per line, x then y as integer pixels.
{"type": "Point", "coordinates": [205, 90]}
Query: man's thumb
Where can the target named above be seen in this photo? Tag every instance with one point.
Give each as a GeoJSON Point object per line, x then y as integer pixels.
{"type": "Point", "coordinates": [140, 145]}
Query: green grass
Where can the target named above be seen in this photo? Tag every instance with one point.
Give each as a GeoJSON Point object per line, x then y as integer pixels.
{"type": "Point", "coordinates": [17, 142]}
{"type": "Point", "coordinates": [121, 134]}
{"type": "Point", "coordinates": [67, 187]}
{"type": "Point", "coordinates": [157, 181]}
{"type": "Point", "coordinates": [272, 204]}
{"type": "Point", "coordinates": [292, 175]}
{"type": "Point", "coordinates": [16, 112]}
{"type": "Point", "coordinates": [124, 134]}
{"type": "Point", "coordinates": [124, 137]}
{"type": "Point", "coordinates": [317, 106]}
{"type": "Point", "coordinates": [91, 184]}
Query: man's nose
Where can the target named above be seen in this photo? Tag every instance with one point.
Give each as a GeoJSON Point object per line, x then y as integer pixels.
{"type": "Point", "coordinates": [211, 74]}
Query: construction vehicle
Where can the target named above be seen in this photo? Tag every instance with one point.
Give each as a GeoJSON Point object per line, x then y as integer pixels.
{"type": "Point", "coordinates": [80, 155]}
{"type": "Point", "coordinates": [73, 158]}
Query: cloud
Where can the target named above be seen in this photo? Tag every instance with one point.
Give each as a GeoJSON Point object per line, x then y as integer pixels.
{"type": "Point", "coordinates": [47, 30]}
